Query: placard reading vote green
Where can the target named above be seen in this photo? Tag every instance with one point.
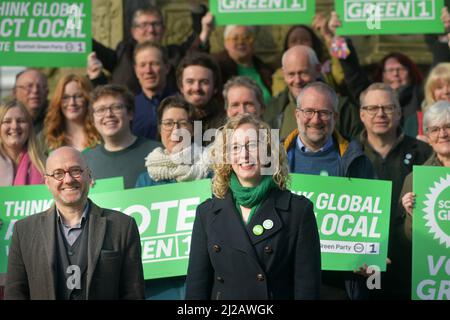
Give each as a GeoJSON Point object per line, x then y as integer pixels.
{"type": "Point", "coordinates": [45, 33]}
{"type": "Point", "coordinates": [165, 216]}
{"type": "Point", "coordinates": [22, 201]}
{"type": "Point", "coordinates": [352, 216]}
{"type": "Point", "coordinates": [431, 233]}
{"type": "Point", "coordinates": [262, 12]}
{"type": "Point", "coordinates": [369, 17]}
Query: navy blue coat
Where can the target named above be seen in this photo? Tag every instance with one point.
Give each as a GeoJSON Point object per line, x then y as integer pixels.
{"type": "Point", "coordinates": [227, 261]}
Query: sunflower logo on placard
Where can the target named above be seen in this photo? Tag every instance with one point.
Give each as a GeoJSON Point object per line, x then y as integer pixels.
{"type": "Point", "coordinates": [436, 212]}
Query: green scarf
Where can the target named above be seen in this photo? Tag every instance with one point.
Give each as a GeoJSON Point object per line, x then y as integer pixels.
{"type": "Point", "coordinates": [250, 197]}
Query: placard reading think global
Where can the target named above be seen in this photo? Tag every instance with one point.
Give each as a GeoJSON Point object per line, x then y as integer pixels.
{"type": "Point", "coordinates": [362, 17]}
{"type": "Point", "coordinates": [352, 217]}
{"type": "Point", "coordinates": [45, 33]}
{"type": "Point", "coordinates": [262, 12]}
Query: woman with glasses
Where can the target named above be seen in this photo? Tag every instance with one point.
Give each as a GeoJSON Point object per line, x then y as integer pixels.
{"type": "Point", "coordinates": [254, 239]}
{"type": "Point", "coordinates": [68, 122]}
{"type": "Point", "coordinates": [21, 162]}
{"type": "Point", "coordinates": [238, 59]}
{"type": "Point", "coordinates": [437, 88]}
{"type": "Point", "coordinates": [436, 125]}
{"type": "Point", "coordinates": [177, 161]}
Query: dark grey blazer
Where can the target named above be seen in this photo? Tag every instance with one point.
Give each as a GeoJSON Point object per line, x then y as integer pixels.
{"type": "Point", "coordinates": [114, 257]}
{"type": "Point", "coordinates": [228, 261]}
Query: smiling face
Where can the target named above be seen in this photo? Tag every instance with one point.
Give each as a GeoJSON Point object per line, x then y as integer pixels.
{"type": "Point", "coordinates": [31, 89]}
{"type": "Point", "coordinates": [244, 148]}
{"type": "Point", "coordinates": [242, 100]}
{"type": "Point", "coordinates": [151, 70]}
{"type": "Point", "coordinates": [197, 85]}
{"type": "Point", "coordinates": [442, 91]}
{"type": "Point", "coordinates": [114, 121]}
{"type": "Point", "coordinates": [315, 132]}
{"type": "Point", "coordinates": [173, 121]}
{"type": "Point", "coordinates": [73, 102]}
{"type": "Point", "coordinates": [381, 123]}
{"type": "Point", "coordinates": [147, 27]}
{"type": "Point", "coordinates": [239, 44]}
{"type": "Point", "coordinates": [70, 191]}
{"type": "Point", "coordinates": [14, 130]}
{"type": "Point", "coordinates": [297, 70]}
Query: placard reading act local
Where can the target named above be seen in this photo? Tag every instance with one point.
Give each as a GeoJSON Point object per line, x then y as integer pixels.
{"type": "Point", "coordinates": [262, 12]}
{"type": "Point", "coordinates": [365, 17]}
{"type": "Point", "coordinates": [352, 217]}
{"type": "Point", "coordinates": [45, 33]}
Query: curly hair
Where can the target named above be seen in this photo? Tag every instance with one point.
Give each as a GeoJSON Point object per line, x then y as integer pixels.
{"type": "Point", "coordinates": [220, 154]}
{"type": "Point", "coordinates": [36, 155]}
{"type": "Point", "coordinates": [54, 123]}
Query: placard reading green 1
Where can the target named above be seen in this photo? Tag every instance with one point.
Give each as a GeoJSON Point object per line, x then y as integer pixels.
{"type": "Point", "coordinates": [165, 216]}
{"type": "Point", "coordinates": [353, 219]}
{"type": "Point", "coordinates": [262, 12]}
{"type": "Point", "coordinates": [431, 233]}
{"type": "Point", "coordinates": [369, 17]}
{"type": "Point", "coordinates": [45, 33]}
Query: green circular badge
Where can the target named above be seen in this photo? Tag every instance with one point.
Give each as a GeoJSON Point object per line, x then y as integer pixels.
{"type": "Point", "coordinates": [437, 209]}
{"type": "Point", "coordinates": [268, 224]}
{"type": "Point", "coordinates": [258, 230]}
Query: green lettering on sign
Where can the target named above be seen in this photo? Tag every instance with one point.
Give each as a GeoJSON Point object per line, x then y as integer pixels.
{"type": "Point", "coordinates": [262, 12]}
{"type": "Point", "coordinates": [45, 33]}
{"type": "Point", "coordinates": [363, 17]}
{"type": "Point", "coordinates": [352, 217]}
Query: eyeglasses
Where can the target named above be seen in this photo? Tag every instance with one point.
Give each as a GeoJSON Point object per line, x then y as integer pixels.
{"type": "Point", "coordinates": [323, 114]}
{"type": "Point", "coordinates": [168, 124]}
{"type": "Point", "coordinates": [29, 87]}
{"type": "Point", "coordinates": [395, 70]}
{"type": "Point", "coordinates": [250, 147]}
{"type": "Point", "coordinates": [143, 25]}
{"type": "Point", "coordinates": [433, 132]}
{"type": "Point", "coordinates": [60, 174]}
{"type": "Point", "coordinates": [240, 39]}
{"type": "Point", "coordinates": [373, 110]}
{"type": "Point", "coordinates": [115, 108]}
{"type": "Point", "coordinates": [76, 97]}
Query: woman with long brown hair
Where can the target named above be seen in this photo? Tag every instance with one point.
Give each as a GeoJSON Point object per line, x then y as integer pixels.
{"type": "Point", "coordinates": [68, 122]}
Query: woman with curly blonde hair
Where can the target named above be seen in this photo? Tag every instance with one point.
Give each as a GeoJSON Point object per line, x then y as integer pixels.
{"type": "Point", "coordinates": [254, 239]}
{"type": "Point", "coordinates": [68, 122]}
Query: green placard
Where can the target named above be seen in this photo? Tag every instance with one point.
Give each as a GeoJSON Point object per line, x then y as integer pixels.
{"type": "Point", "coordinates": [431, 233]}
{"type": "Point", "coordinates": [165, 217]}
{"type": "Point", "coordinates": [45, 33]}
{"type": "Point", "coordinates": [370, 17]}
{"type": "Point", "coordinates": [22, 201]}
{"type": "Point", "coordinates": [262, 12]}
{"type": "Point", "coordinates": [352, 217]}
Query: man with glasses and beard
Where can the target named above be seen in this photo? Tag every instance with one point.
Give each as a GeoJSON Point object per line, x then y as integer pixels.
{"type": "Point", "coordinates": [316, 147]}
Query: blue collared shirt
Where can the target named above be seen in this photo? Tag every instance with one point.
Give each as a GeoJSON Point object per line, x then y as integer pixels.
{"type": "Point", "coordinates": [71, 233]}
{"type": "Point", "coordinates": [303, 148]}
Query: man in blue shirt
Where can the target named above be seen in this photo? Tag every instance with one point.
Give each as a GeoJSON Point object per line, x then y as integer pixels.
{"type": "Point", "coordinates": [151, 67]}
{"type": "Point", "coordinates": [316, 147]}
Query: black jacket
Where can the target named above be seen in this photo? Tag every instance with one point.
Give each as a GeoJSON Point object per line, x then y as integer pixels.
{"type": "Point", "coordinates": [227, 261]}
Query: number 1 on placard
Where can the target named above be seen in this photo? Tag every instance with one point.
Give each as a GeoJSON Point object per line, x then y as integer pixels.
{"type": "Point", "coordinates": [423, 7]}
